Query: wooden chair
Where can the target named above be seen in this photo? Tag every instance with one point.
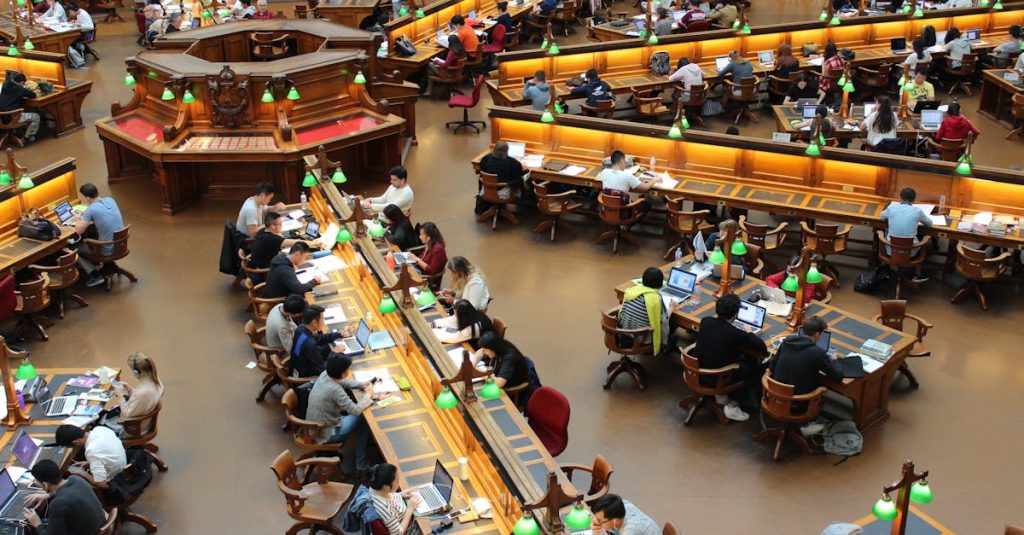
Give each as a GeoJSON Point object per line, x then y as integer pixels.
{"type": "Point", "coordinates": [610, 326]}
{"type": "Point", "coordinates": [977, 269]}
{"type": "Point", "coordinates": [648, 104]}
{"type": "Point", "coordinates": [284, 372]}
{"type": "Point", "coordinates": [63, 276]}
{"type": "Point", "coordinates": [769, 239]}
{"type": "Point", "coordinates": [873, 82]}
{"type": "Point", "coordinates": [261, 305]}
{"type": "Point", "coordinates": [621, 215]}
{"type": "Point", "coordinates": [262, 352]}
{"type": "Point", "coordinates": [826, 239]}
{"type": "Point", "coordinates": [537, 24]}
{"type": "Point", "coordinates": [490, 192]}
{"type": "Point", "coordinates": [301, 12]}
{"type": "Point", "coordinates": [451, 75]}
{"type": "Point", "coordinates": [823, 290]}
{"type": "Point", "coordinates": [141, 431]}
{"type": "Point", "coordinates": [903, 254]}
{"type": "Point", "coordinates": [778, 87]}
{"type": "Point", "coordinates": [125, 515]}
{"type": "Point", "coordinates": [513, 393]}
{"type": "Point", "coordinates": [669, 529]}
{"type": "Point", "coordinates": [600, 477]}
{"type": "Point", "coordinates": [553, 206]}
{"type": "Point", "coordinates": [703, 396]}
{"type": "Point", "coordinates": [256, 275]}
{"type": "Point", "coordinates": [894, 313]}
{"type": "Point", "coordinates": [512, 37]}
{"type": "Point", "coordinates": [744, 93]}
{"type": "Point", "coordinates": [999, 61]}
{"type": "Point", "coordinates": [961, 75]}
{"type": "Point", "coordinates": [500, 328]}
{"type": "Point", "coordinates": [692, 100]}
{"type": "Point", "coordinates": [475, 60]}
{"type": "Point", "coordinates": [267, 47]}
{"type": "Point", "coordinates": [108, 527]}
{"type": "Point", "coordinates": [32, 299]}
{"type": "Point", "coordinates": [949, 149]}
{"type": "Point", "coordinates": [753, 261]}
{"type": "Point", "coordinates": [86, 41]}
{"type": "Point", "coordinates": [1018, 115]}
{"type": "Point", "coordinates": [313, 505]}
{"type": "Point", "coordinates": [10, 124]}
{"type": "Point", "coordinates": [602, 109]}
{"type": "Point", "coordinates": [684, 224]}
{"type": "Point", "coordinates": [777, 403]}
{"type": "Point", "coordinates": [306, 432]}
{"type": "Point", "coordinates": [118, 250]}
{"type": "Point", "coordinates": [834, 88]}
{"type": "Point", "coordinates": [566, 15]}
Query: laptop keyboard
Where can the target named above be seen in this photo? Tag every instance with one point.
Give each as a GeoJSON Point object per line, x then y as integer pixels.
{"type": "Point", "coordinates": [53, 453]}
{"type": "Point", "coordinates": [432, 498]}
{"type": "Point", "coordinates": [675, 292]}
{"type": "Point", "coordinates": [62, 405]}
{"type": "Point", "coordinates": [14, 507]}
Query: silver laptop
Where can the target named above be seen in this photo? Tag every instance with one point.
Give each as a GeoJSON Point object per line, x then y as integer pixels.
{"type": "Point", "coordinates": [940, 37]}
{"type": "Point", "coordinates": [721, 62]}
{"type": "Point", "coordinates": [809, 112]}
{"type": "Point", "coordinates": [766, 59]}
{"type": "Point", "coordinates": [437, 494]}
{"type": "Point", "coordinates": [12, 499]}
{"type": "Point", "coordinates": [869, 108]}
{"type": "Point", "coordinates": [973, 35]}
{"type": "Point", "coordinates": [750, 318]}
{"type": "Point", "coordinates": [29, 453]}
{"type": "Point", "coordinates": [775, 295]}
{"type": "Point", "coordinates": [61, 406]}
{"type": "Point", "coordinates": [354, 345]}
{"type": "Point", "coordinates": [804, 103]}
{"type": "Point", "coordinates": [931, 119]}
{"type": "Point", "coordinates": [680, 284]}
{"type": "Point", "coordinates": [65, 214]}
{"type": "Point", "coordinates": [825, 342]}
{"type": "Point", "coordinates": [516, 150]}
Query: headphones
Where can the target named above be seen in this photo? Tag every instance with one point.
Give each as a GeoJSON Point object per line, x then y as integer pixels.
{"type": "Point", "coordinates": [133, 362]}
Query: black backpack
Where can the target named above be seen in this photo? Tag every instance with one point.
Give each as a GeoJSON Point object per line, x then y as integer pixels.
{"type": "Point", "coordinates": [660, 64]}
{"type": "Point", "coordinates": [871, 280]}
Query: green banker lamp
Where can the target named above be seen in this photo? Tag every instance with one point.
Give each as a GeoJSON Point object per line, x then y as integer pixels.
{"type": "Point", "coordinates": [338, 177]}
{"type": "Point", "coordinates": [526, 525]}
{"type": "Point", "coordinates": [387, 305]}
{"type": "Point", "coordinates": [834, 21]}
{"type": "Point", "coordinates": [267, 97]}
{"type": "Point", "coordinates": [790, 284]}
{"type": "Point", "coordinates": [653, 39]}
{"type": "Point", "coordinates": [813, 275]}
{"type": "Point", "coordinates": [25, 182]}
{"type": "Point", "coordinates": [344, 235]}
{"type": "Point", "coordinates": [547, 117]}
{"type": "Point", "coordinates": [308, 180]}
{"type": "Point", "coordinates": [998, 5]}
{"type": "Point", "coordinates": [188, 97]}
{"type": "Point", "coordinates": [578, 518]}
{"type": "Point", "coordinates": [823, 15]}
{"type": "Point", "coordinates": [129, 79]}
{"type": "Point", "coordinates": [359, 79]}
{"type": "Point", "coordinates": [28, 44]}
{"type": "Point", "coordinates": [911, 487]}
{"type": "Point", "coordinates": [5, 178]}
{"type": "Point", "coordinates": [918, 13]}
{"type": "Point", "coordinates": [963, 167]}
{"type": "Point", "coordinates": [717, 256]}
{"type": "Point", "coordinates": [447, 400]}
{"type": "Point", "coordinates": [420, 13]}
{"type": "Point", "coordinates": [490, 390]}
{"type": "Point", "coordinates": [425, 298]}
{"type": "Point", "coordinates": [167, 94]}
{"type": "Point", "coordinates": [553, 49]}
{"type": "Point", "coordinates": [293, 94]}
{"type": "Point", "coordinates": [403, 12]}
{"type": "Point", "coordinates": [466, 374]}
{"type": "Point", "coordinates": [12, 50]}
{"type": "Point", "coordinates": [738, 248]}
{"type": "Point", "coordinates": [25, 370]}
{"type": "Point", "coordinates": [376, 229]}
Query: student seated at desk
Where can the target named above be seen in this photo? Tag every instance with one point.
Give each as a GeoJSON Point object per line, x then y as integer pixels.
{"type": "Point", "coordinates": [503, 18]}
{"type": "Point", "coordinates": [950, 4]}
{"type": "Point", "coordinates": [262, 13]}
{"type": "Point", "coordinates": [956, 45]}
{"type": "Point", "coordinates": [739, 68]}
{"type": "Point", "coordinates": [399, 193]}
{"type": "Point", "coordinates": [721, 344]}
{"type": "Point", "coordinates": [1009, 48]}
{"type": "Point", "coordinates": [104, 214]}
{"type": "Point", "coordinates": [509, 174]}
{"type": "Point", "coordinates": [331, 403]}
{"type": "Point", "coordinates": [804, 87]}
{"type": "Point", "coordinates": [280, 326]}
{"type": "Point", "coordinates": [104, 454]}
{"type": "Point", "coordinates": [455, 53]}
{"type": "Point", "coordinates": [388, 502]}
{"type": "Point", "coordinates": [902, 221]}
{"type": "Point", "coordinates": [642, 307]}
{"type": "Point", "coordinates": [954, 126]}
{"type": "Point", "coordinates": [537, 91]}
{"type": "Point", "coordinates": [801, 363]}
{"type": "Point", "coordinates": [776, 280]}
{"type": "Point", "coordinates": [247, 11]}
{"type": "Point", "coordinates": [687, 74]}
{"type": "Point", "coordinates": [466, 324]}
{"type": "Point", "coordinates": [12, 97]}
{"type": "Point", "coordinates": [613, 515]}
{"type": "Point", "coordinates": [929, 36]}
{"type": "Point", "coordinates": [282, 280]}
{"type": "Point", "coordinates": [724, 14]}
{"type": "Point", "coordinates": [253, 210]}
{"type": "Point", "coordinates": [881, 123]}
{"type": "Point", "coordinates": [433, 259]}
{"type": "Point", "coordinates": [84, 21]}
{"type": "Point", "coordinates": [468, 282]}
{"type": "Point", "coordinates": [310, 345]}
{"type": "Point", "coordinates": [400, 231]}
{"type": "Point", "coordinates": [664, 24]}
{"type": "Point", "coordinates": [693, 13]}
{"type": "Point", "coordinates": [55, 11]}
{"type": "Point", "coordinates": [72, 507]}
{"type": "Point", "coordinates": [785, 62]}
{"type": "Point", "coordinates": [270, 240]}
{"type": "Point", "coordinates": [834, 61]}
{"type": "Point", "coordinates": [144, 398]}
{"type": "Point", "coordinates": [467, 35]}
{"type": "Point", "coordinates": [723, 229]}
{"type": "Point", "coordinates": [616, 181]}
{"type": "Point", "coordinates": [594, 88]}
{"type": "Point", "coordinates": [511, 368]}
{"type": "Point", "coordinates": [922, 89]}
{"type": "Point", "coordinates": [919, 55]}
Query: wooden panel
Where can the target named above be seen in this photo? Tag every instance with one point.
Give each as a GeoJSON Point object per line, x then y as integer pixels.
{"type": "Point", "coordinates": [711, 159]}
{"type": "Point", "coordinates": [778, 167]}
{"type": "Point", "coordinates": [849, 177]}
{"type": "Point", "coordinates": [578, 141]}
{"type": "Point", "coordinates": [236, 47]}
{"type": "Point", "coordinates": [988, 196]}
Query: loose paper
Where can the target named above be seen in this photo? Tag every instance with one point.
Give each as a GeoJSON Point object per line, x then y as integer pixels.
{"type": "Point", "coordinates": [573, 170]}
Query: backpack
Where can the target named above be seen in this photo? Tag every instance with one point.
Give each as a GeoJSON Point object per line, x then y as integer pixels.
{"type": "Point", "coordinates": [871, 280]}
{"type": "Point", "coordinates": [34, 226]}
{"type": "Point", "coordinates": [405, 47]}
{"type": "Point", "coordinates": [842, 438]}
{"type": "Point", "coordinates": [660, 64]}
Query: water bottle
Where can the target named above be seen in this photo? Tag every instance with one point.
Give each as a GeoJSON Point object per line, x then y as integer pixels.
{"type": "Point", "coordinates": [303, 199]}
{"type": "Point", "coordinates": [653, 162]}
{"type": "Point", "coordinates": [369, 320]}
{"type": "Point", "coordinates": [679, 257]}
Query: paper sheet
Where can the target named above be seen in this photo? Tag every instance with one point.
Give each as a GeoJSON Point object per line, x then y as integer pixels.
{"type": "Point", "coordinates": [306, 275]}
{"type": "Point", "coordinates": [668, 182]}
{"type": "Point", "coordinates": [870, 364]}
{"type": "Point", "coordinates": [573, 170]}
{"type": "Point", "coordinates": [817, 62]}
{"type": "Point", "coordinates": [289, 225]}
{"type": "Point", "coordinates": [516, 150]}
{"type": "Point", "coordinates": [386, 385]}
{"type": "Point", "coordinates": [534, 161]}
{"type": "Point", "coordinates": [334, 314]}
{"type": "Point", "coordinates": [938, 220]}
{"type": "Point", "coordinates": [296, 214]}
{"type": "Point", "coordinates": [781, 310]}
{"type": "Point", "coordinates": [329, 263]}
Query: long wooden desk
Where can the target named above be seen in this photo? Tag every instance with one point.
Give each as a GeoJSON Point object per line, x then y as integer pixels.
{"type": "Point", "coordinates": [996, 101]}
{"type": "Point", "coordinates": [918, 523]}
{"type": "Point", "coordinates": [346, 12]}
{"type": "Point", "coordinates": [44, 39]}
{"type": "Point", "coordinates": [787, 116]}
{"type": "Point", "coordinates": [54, 184]}
{"type": "Point", "coordinates": [625, 64]}
{"type": "Point", "coordinates": [869, 394]}
{"type": "Point", "coordinates": [64, 105]}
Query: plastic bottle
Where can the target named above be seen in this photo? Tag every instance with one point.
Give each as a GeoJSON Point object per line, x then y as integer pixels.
{"type": "Point", "coordinates": [654, 162]}
{"type": "Point", "coordinates": [303, 199]}
{"type": "Point", "coordinates": [679, 257]}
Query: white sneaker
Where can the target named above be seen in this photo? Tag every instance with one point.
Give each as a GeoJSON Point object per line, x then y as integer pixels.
{"type": "Point", "coordinates": [734, 412]}
{"type": "Point", "coordinates": [812, 428]}
{"type": "Point", "coordinates": [722, 399]}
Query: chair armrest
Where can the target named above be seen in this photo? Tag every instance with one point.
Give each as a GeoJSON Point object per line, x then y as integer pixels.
{"type": "Point", "coordinates": [818, 392]}
{"type": "Point", "coordinates": [844, 232]}
{"type": "Point", "coordinates": [882, 238]}
{"type": "Point", "coordinates": [920, 321]}
{"type": "Point", "coordinates": [782, 226]}
{"type": "Point", "coordinates": [807, 230]}
{"type": "Point", "coordinates": [324, 466]}
{"type": "Point", "coordinates": [774, 78]}
{"type": "Point", "coordinates": [873, 72]}
{"type": "Point", "coordinates": [921, 246]}
{"type": "Point", "coordinates": [720, 371]}
{"type": "Point", "coordinates": [642, 330]}
{"type": "Point", "coordinates": [633, 204]}
{"type": "Point", "coordinates": [294, 495]}
{"type": "Point", "coordinates": [48, 269]}
{"type": "Point", "coordinates": [569, 468]}
{"type": "Point", "coordinates": [565, 196]}
{"type": "Point", "coordinates": [91, 241]}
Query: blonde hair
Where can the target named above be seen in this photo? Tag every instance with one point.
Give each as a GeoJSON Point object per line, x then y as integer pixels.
{"type": "Point", "coordinates": [144, 366]}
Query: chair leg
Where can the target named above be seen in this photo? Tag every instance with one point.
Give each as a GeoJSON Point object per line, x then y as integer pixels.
{"type": "Point", "coordinates": [777, 433]}
{"type": "Point", "coordinates": [134, 518]}
{"type": "Point", "coordinates": [1014, 132]}
{"type": "Point", "coordinates": [964, 290]}
{"type": "Point", "coordinates": [161, 464]}
{"type": "Point", "coordinates": [626, 365]}
{"type": "Point", "coordinates": [35, 323]}
{"type": "Point", "coordinates": [299, 526]}
{"type": "Point", "coordinates": [269, 382]}
{"type": "Point", "coordinates": [981, 297]}
{"type": "Point", "coordinates": [671, 250]}
{"type": "Point", "coordinates": [905, 370]}
{"type": "Point", "coordinates": [489, 214]}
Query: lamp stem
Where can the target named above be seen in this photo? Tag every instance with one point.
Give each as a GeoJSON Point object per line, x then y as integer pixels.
{"type": "Point", "coordinates": [796, 319]}
{"type": "Point", "coordinates": [726, 244]}
{"type": "Point", "coordinates": [907, 479]}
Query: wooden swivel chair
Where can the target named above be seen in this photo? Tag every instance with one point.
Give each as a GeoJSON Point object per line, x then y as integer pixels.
{"type": "Point", "coordinates": [744, 93]}
{"type": "Point", "coordinates": [118, 250]}
{"type": "Point", "coordinates": [669, 529]}
{"type": "Point", "coordinates": [141, 431]}
{"type": "Point", "coordinates": [621, 215]}
{"type": "Point", "coordinates": [134, 475]}
{"type": "Point", "coordinates": [600, 477]}
{"type": "Point", "coordinates": [902, 254]}
{"type": "Point", "coordinates": [778, 87]}
{"type": "Point", "coordinates": [306, 432]}
{"type": "Point", "coordinates": [612, 334]}
{"type": "Point", "coordinates": [684, 224]}
{"type": "Point", "coordinates": [648, 104]}
{"type": "Point", "coordinates": [547, 412]}
{"type": "Point", "coordinates": [949, 149]}
{"type": "Point", "coordinates": [692, 100]}
{"type": "Point", "coordinates": [32, 299]}
{"type": "Point", "coordinates": [977, 269]}
{"type": "Point", "coordinates": [566, 15]}
{"type": "Point", "coordinates": [961, 76]}
{"type": "Point", "coordinates": [262, 352]}
{"type": "Point", "coordinates": [777, 403]}
{"type": "Point", "coordinates": [284, 372]}
{"type": "Point", "coordinates": [718, 382]}
{"type": "Point", "coordinates": [1018, 115]}
{"type": "Point", "coordinates": [63, 277]}
{"type": "Point", "coordinates": [602, 109]}
{"type": "Point", "coordinates": [826, 239]}
{"type": "Point", "coordinates": [108, 527]}
{"type": "Point", "coordinates": [9, 130]}
{"type": "Point", "coordinates": [491, 192]}
{"type": "Point", "coordinates": [832, 77]}
{"type": "Point", "coordinates": [256, 275]}
{"type": "Point", "coordinates": [301, 12]}
{"type": "Point", "coordinates": [313, 506]}
{"type": "Point", "coordinates": [538, 24]}
{"type": "Point", "coordinates": [894, 313]}
{"type": "Point", "coordinates": [873, 82]}
{"type": "Point", "coordinates": [449, 76]}
{"type": "Point", "coordinates": [260, 305]}
{"type": "Point", "coordinates": [769, 239]}
{"type": "Point", "coordinates": [553, 206]}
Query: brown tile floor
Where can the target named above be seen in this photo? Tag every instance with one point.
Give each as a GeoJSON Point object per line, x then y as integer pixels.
{"type": "Point", "coordinates": [709, 479]}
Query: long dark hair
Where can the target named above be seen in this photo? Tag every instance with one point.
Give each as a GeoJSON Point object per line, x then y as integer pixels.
{"type": "Point", "coordinates": [952, 35]}
{"type": "Point", "coordinates": [396, 216]}
{"type": "Point", "coordinates": [455, 45]}
{"type": "Point", "coordinates": [928, 35]}
{"type": "Point", "coordinates": [466, 315]}
{"type": "Point", "coordinates": [502, 348]}
{"type": "Point", "coordinates": [381, 475]}
{"type": "Point", "coordinates": [919, 48]}
{"type": "Point", "coordinates": [885, 120]}
{"type": "Point", "coordinates": [433, 234]}
{"type": "Point", "coordinates": [830, 49]}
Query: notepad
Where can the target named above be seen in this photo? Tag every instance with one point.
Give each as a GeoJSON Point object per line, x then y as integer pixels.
{"type": "Point", "coordinates": [938, 220]}
{"type": "Point", "coordinates": [573, 170]}
{"type": "Point", "coordinates": [668, 182]}
{"type": "Point", "coordinates": [534, 161]}
{"type": "Point", "coordinates": [306, 276]}
{"type": "Point", "coordinates": [296, 214]}
{"type": "Point", "coordinates": [816, 61]}
{"type": "Point", "coordinates": [781, 310]}
{"type": "Point", "coordinates": [334, 314]}
{"type": "Point", "coordinates": [289, 225]}
{"type": "Point", "coordinates": [328, 264]}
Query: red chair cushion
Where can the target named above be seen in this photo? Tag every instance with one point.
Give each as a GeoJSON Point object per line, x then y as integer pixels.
{"type": "Point", "coordinates": [548, 416]}
{"type": "Point", "coordinates": [493, 48]}
{"type": "Point", "coordinates": [8, 301]}
{"type": "Point", "coordinates": [461, 101]}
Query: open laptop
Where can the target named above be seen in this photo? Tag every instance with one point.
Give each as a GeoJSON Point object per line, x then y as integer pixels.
{"type": "Point", "coordinates": [59, 406]}
{"type": "Point", "coordinates": [931, 119]}
{"type": "Point", "coordinates": [973, 35]}
{"type": "Point", "coordinates": [354, 345]}
{"type": "Point", "coordinates": [29, 453]}
{"type": "Point", "coordinates": [804, 103]}
{"type": "Point", "coordinates": [312, 231]}
{"type": "Point", "coordinates": [750, 318]}
{"type": "Point", "coordinates": [639, 23]}
{"type": "Point", "coordinates": [869, 108]}
{"type": "Point", "coordinates": [516, 150]}
{"type": "Point", "coordinates": [923, 105]}
{"type": "Point", "coordinates": [766, 58]}
{"type": "Point", "coordinates": [721, 62]}
{"type": "Point", "coordinates": [940, 37]}
{"type": "Point", "coordinates": [12, 499]}
{"type": "Point", "coordinates": [898, 45]}
{"type": "Point", "coordinates": [824, 342]}
{"type": "Point", "coordinates": [65, 214]}
{"type": "Point", "coordinates": [735, 271]}
{"type": "Point", "coordinates": [775, 295]}
{"type": "Point", "coordinates": [437, 494]}
{"type": "Point", "coordinates": [680, 284]}
{"type": "Point", "coordinates": [808, 112]}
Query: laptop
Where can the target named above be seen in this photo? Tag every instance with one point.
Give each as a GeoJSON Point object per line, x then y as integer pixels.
{"type": "Point", "coordinates": [808, 112]}
{"type": "Point", "coordinates": [354, 345]}
{"type": "Point", "coordinates": [766, 59]}
{"type": "Point", "coordinates": [59, 406]}
{"type": "Point", "coordinates": [29, 453]}
{"type": "Point", "coordinates": [437, 494]}
{"type": "Point", "coordinates": [12, 498]}
{"type": "Point", "coordinates": [940, 37]}
{"type": "Point", "coordinates": [680, 284]}
{"type": "Point", "coordinates": [925, 105]}
{"type": "Point", "coordinates": [639, 23]}
{"type": "Point", "coordinates": [869, 108]}
{"type": "Point", "coordinates": [735, 271]}
{"type": "Point", "coordinates": [974, 35]}
{"type": "Point", "coordinates": [516, 150]}
{"type": "Point", "coordinates": [721, 62]}
{"type": "Point", "coordinates": [825, 342]}
{"type": "Point", "coordinates": [312, 231]}
{"type": "Point", "coordinates": [65, 214]}
{"type": "Point", "coordinates": [750, 318]}
{"type": "Point", "coordinates": [775, 295]}
{"type": "Point", "coordinates": [804, 103]}
{"type": "Point", "coordinates": [555, 165]}
{"type": "Point", "coordinates": [898, 44]}
{"type": "Point", "coordinates": [931, 119]}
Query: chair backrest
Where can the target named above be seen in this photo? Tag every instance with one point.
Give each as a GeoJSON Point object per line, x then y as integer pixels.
{"type": "Point", "coordinates": [489, 189]}
{"type": "Point", "coordinates": [141, 429]}
{"type": "Point", "coordinates": [975, 265]}
{"type": "Point", "coordinates": [825, 238]}
{"type": "Point", "coordinates": [499, 326]}
{"type": "Point", "coordinates": [498, 35]}
{"type": "Point", "coordinates": [610, 327]}
{"type": "Point", "coordinates": [34, 295]}
{"type": "Point", "coordinates": [616, 210]}
{"type": "Point", "coordinates": [119, 246]}
{"type": "Point", "coordinates": [694, 95]}
{"type": "Point", "coordinates": [950, 149]}
{"type": "Point", "coordinates": [306, 431]}
{"type": "Point", "coordinates": [698, 26]}
{"type": "Point", "coordinates": [1013, 530]}
{"type": "Point", "coordinates": [288, 479]}
{"type": "Point", "coordinates": [478, 82]}
{"type": "Point", "coordinates": [301, 12]}
{"type": "Point", "coordinates": [778, 399]}
{"type": "Point", "coordinates": [681, 221]}
{"type": "Point", "coordinates": [967, 64]}
{"type": "Point", "coordinates": [901, 252]}
{"type": "Point", "coordinates": [548, 415]}
{"type": "Point", "coordinates": [894, 311]}
{"type": "Point", "coordinates": [692, 373]}
{"type": "Point", "coordinates": [745, 89]}
{"type": "Point", "coordinates": [875, 77]}
{"type": "Point", "coordinates": [601, 108]}
{"type": "Point", "coordinates": [763, 235]}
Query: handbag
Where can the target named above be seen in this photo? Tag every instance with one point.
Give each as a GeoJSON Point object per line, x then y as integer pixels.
{"type": "Point", "coordinates": [405, 47]}
{"type": "Point", "coordinates": [809, 49]}
{"type": "Point", "coordinates": [36, 227]}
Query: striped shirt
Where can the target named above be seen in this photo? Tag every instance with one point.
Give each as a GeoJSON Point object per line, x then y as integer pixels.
{"type": "Point", "coordinates": [391, 510]}
{"type": "Point", "coordinates": [633, 314]}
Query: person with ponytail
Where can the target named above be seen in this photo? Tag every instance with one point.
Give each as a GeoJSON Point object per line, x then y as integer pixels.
{"type": "Point", "coordinates": [388, 502]}
{"type": "Point", "coordinates": [142, 399]}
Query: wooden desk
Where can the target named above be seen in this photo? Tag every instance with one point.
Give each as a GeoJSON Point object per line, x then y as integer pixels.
{"type": "Point", "coordinates": [918, 523]}
{"type": "Point", "coordinates": [785, 115]}
{"type": "Point", "coordinates": [54, 184]}
{"type": "Point", "coordinates": [64, 105]}
{"type": "Point", "coordinates": [869, 394]}
{"type": "Point", "coordinates": [996, 96]}
{"type": "Point", "coordinates": [346, 12]}
{"type": "Point", "coordinates": [43, 38]}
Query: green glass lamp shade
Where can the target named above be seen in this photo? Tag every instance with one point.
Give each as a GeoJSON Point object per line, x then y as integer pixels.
{"type": "Point", "coordinates": [553, 49]}
{"type": "Point", "coordinates": [823, 16]}
{"type": "Point", "coordinates": [12, 50]}
{"type": "Point", "coordinates": [359, 79]}
{"type": "Point", "coordinates": [738, 248]}
{"type": "Point", "coordinates": [376, 229]}
{"type": "Point", "coordinates": [526, 525]}
{"type": "Point", "coordinates": [997, 5]}
{"type": "Point", "coordinates": [420, 13]}
{"type": "Point", "coordinates": [425, 297]}
{"type": "Point", "coordinates": [129, 80]}
{"type": "Point", "coordinates": [813, 275]}
{"type": "Point", "coordinates": [813, 149]}
{"type": "Point", "coordinates": [5, 178]}
{"type": "Point", "coordinates": [21, 3]}
{"type": "Point", "coordinates": [267, 97]}
{"type": "Point", "coordinates": [544, 43]}
{"type": "Point", "coordinates": [906, 8]}
{"type": "Point", "coordinates": [224, 13]}
{"type": "Point", "coordinates": [387, 305]}
{"type": "Point", "coordinates": [716, 256]}
{"type": "Point", "coordinates": [842, 80]}
{"type": "Point", "coordinates": [344, 236]}
{"type": "Point", "coordinates": [790, 284]}
{"type": "Point", "coordinates": [963, 168]}
{"type": "Point", "coordinates": [903, 81]}
{"type": "Point", "coordinates": [26, 182]}
{"type": "Point", "coordinates": [834, 21]}
{"type": "Point", "coordinates": [643, 33]}
{"type": "Point", "coordinates": [685, 122]}
{"type": "Point", "coordinates": [188, 97]}
{"type": "Point", "coordinates": [490, 390]}
{"type": "Point", "coordinates": [653, 40]}
{"type": "Point", "coordinates": [308, 181]}
{"type": "Point", "coordinates": [983, 3]}
{"type": "Point", "coordinates": [848, 88]}
{"type": "Point", "coordinates": [675, 132]}
{"type": "Point", "coordinates": [919, 493]}
{"type": "Point", "coordinates": [403, 12]}
{"type": "Point", "coordinates": [293, 94]}
{"type": "Point", "coordinates": [28, 45]}
{"type": "Point", "coordinates": [446, 400]}
{"type": "Point", "coordinates": [745, 30]}
{"type": "Point", "coordinates": [884, 508]}
{"type": "Point", "coordinates": [558, 107]}
{"type": "Point", "coordinates": [167, 94]}
{"type": "Point", "coordinates": [918, 13]}
{"type": "Point", "coordinates": [821, 139]}
{"type": "Point", "coordinates": [736, 24]}
{"type": "Point", "coordinates": [27, 371]}
{"type": "Point", "coordinates": [339, 176]}
{"type": "Point", "coordinates": [547, 117]}
{"type": "Point", "coordinates": [578, 518]}
{"type": "Point", "coordinates": [151, 74]}
{"type": "Point", "coordinates": [909, 86]}
{"type": "Point", "coordinates": [207, 14]}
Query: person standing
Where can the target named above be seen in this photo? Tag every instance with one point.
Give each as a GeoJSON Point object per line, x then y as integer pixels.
{"type": "Point", "coordinates": [254, 209]}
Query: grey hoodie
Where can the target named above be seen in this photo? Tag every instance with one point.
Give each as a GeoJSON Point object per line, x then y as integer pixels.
{"type": "Point", "coordinates": [538, 94]}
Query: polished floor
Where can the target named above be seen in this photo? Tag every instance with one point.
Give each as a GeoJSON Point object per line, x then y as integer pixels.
{"type": "Point", "coordinates": [963, 424]}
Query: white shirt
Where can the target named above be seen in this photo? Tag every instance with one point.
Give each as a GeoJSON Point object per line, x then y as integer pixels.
{"type": "Point", "coordinates": [618, 180]}
{"type": "Point", "coordinates": [84, 20]}
{"type": "Point", "coordinates": [104, 453]}
{"type": "Point", "coordinates": [912, 59]}
{"type": "Point", "coordinates": [1020, 63]}
{"type": "Point", "coordinates": [689, 74]}
{"type": "Point", "coordinates": [56, 11]}
{"type": "Point", "coordinates": [475, 291]}
{"type": "Point", "coordinates": [874, 136]}
{"type": "Point", "coordinates": [401, 197]}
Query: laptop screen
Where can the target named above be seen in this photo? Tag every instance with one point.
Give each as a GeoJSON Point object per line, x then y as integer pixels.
{"type": "Point", "coordinates": [313, 229]}
{"type": "Point", "coordinates": [639, 24]}
{"type": "Point", "coordinates": [363, 333]}
{"type": "Point", "coordinates": [869, 108]}
{"type": "Point", "coordinates": [974, 35]}
{"type": "Point", "coordinates": [471, 15]}
{"type": "Point", "coordinates": [721, 62]}
{"type": "Point", "coordinates": [516, 150]}
{"type": "Point", "coordinates": [682, 280]}
{"type": "Point", "coordinates": [931, 117]}
{"type": "Point", "coordinates": [809, 111]}
{"type": "Point", "coordinates": [899, 43]}
{"type": "Point", "coordinates": [824, 342]}
{"type": "Point", "coordinates": [443, 481]}
{"type": "Point", "coordinates": [24, 449]}
{"type": "Point", "coordinates": [751, 314]}
{"type": "Point", "coordinates": [940, 37]}
{"type": "Point", "coordinates": [766, 57]}
{"type": "Point", "coordinates": [63, 211]}
{"type": "Point", "coordinates": [7, 487]}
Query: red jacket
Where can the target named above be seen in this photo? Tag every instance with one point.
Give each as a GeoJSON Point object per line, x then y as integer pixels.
{"type": "Point", "coordinates": [775, 281]}
{"type": "Point", "coordinates": [435, 258]}
{"type": "Point", "coordinates": [955, 127]}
